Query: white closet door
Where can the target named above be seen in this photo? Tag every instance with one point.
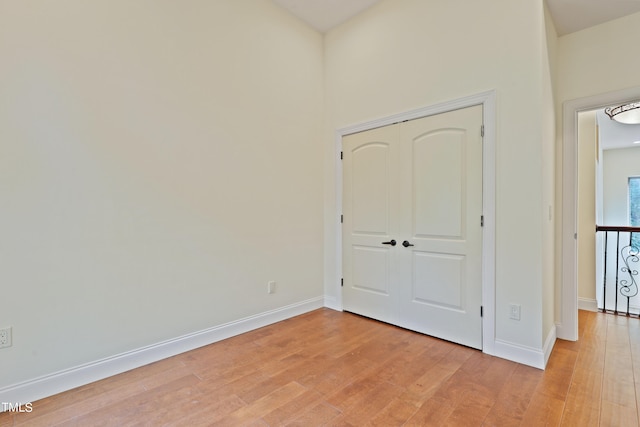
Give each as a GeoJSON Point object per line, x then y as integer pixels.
{"type": "Point", "coordinates": [441, 210]}
{"type": "Point", "coordinates": [370, 203]}
{"type": "Point", "coordinates": [418, 183]}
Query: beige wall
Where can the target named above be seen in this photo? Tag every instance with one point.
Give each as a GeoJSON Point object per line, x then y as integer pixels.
{"type": "Point", "coordinates": [597, 60]}
{"type": "Point", "coordinates": [161, 161]}
{"type": "Point", "coordinates": [401, 55]}
{"type": "Point", "coordinates": [587, 136]}
{"type": "Point", "coordinates": [548, 62]}
{"type": "Point", "coordinates": [618, 166]}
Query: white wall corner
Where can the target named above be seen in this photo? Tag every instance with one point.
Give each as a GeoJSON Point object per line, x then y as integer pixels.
{"type": "Point", "coordinates": [548, 344]}
{"type": "Point", "coordinates": [332, 303]}
{"type": "Point", "coordinates": [68, 379]}
{"type": "Point", "coordinates": [587, 304]}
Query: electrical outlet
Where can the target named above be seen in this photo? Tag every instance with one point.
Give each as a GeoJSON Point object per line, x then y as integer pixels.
{"type": "Point", "coordinates": [5, 337]}
{"type": "Point", "coordinates": [514, 311]}
{"type": "Point", "coordinates": [271, 287]}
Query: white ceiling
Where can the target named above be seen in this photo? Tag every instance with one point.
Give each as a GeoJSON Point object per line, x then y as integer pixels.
{"type": "Point", "coordinates": [574, 15]}
{"type": "Point", "coordinates": [616, 135]}
{"type": "Point", "coordinates": [568, 15]}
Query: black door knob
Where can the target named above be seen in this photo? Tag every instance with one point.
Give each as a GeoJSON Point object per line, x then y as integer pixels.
{"type": "Point", "coordinates": [391, 242]}
{"type": "Point", "coordinates": [406, 244]}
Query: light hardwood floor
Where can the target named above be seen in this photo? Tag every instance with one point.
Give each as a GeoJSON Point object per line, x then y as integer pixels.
{"type": "Point", "coordinates": [332, 368]}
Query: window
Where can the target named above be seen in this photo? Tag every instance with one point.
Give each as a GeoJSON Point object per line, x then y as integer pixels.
{"type": "Point", "coordinates": [634, 208]}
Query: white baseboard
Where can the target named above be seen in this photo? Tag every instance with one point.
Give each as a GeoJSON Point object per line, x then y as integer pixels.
{"type": "Point", "coordinates": [519, 353]}
{"type": "Point", "coordinates": [332, 303]}
{"type": "Point", "coordinates": [67, 379]}
{"type": "Point", "coordinates": [549, 343]}
{"type": "Point", "coordinates": [526, 355]}
{"type": "Point", "coordinates": [587, 304]}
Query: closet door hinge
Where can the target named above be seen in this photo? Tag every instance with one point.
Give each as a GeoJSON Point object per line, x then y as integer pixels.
{"type": "Point", "coordinates": [482, 131]}
{"type": "Point", "coordinates": [341, 219]}
{"type": "Point", "coordinates": [341, 282]}
{"type": "Point", "coordinates": [481, 220]}
{"type": "Point", "coordinates": [341, 155]}
{"type": "Point", "coordinates": [481, 312]}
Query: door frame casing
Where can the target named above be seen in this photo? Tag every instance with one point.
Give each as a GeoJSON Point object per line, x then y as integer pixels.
{"type": "Point", "coordinates": [488, 101]}
{"type": "Point", "coordinates": [567, 325]}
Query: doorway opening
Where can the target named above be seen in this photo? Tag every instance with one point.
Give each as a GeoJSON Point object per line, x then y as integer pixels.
{"type": "Point", "coordinates": [567, 326]}
{"type": "Point", "coordinates": [609, 198]}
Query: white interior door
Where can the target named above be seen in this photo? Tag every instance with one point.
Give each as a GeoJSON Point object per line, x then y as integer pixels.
{"type": "Point", "coordinates": [370, 224]}
{"type": "Point", "coordinates": [441, 286]}
{"type": "Point", "coordinates": [418, 183]}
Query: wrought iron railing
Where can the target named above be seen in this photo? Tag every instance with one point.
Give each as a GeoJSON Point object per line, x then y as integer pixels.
{"type": "Point", "coordinates": [620, 269]}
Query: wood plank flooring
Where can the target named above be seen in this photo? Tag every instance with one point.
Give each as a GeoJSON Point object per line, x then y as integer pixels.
{"type": "Point", "coordinates": [338, 369]}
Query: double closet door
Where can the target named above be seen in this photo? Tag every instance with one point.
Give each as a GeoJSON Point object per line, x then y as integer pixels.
{"type": "Point", "coordinates": [412, 232]}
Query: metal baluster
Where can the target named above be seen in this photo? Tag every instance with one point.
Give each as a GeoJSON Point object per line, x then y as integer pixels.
{"type": "Point", "coordinates": [604, 281]}
{"type": "Point", "coordinates": [630, 275]}
{"type": "Point", "coordinates": [617, 269]}
{"type": "Point", "coordinates": [630, 256]}
{"type": "Point", "coordinates": [630, 270]}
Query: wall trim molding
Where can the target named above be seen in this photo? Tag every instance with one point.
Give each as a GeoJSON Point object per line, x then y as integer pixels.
{"type": "Point", "coordinates": [332, 303]}
{"type": "Point", "coordinates": [67, 379]}
{"type": "Point", "coordinates": [530, 356]}
{"type": "Point", "coordinates": [549, 343]}
{"type": "Point", "coordinates": [588, 304]}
